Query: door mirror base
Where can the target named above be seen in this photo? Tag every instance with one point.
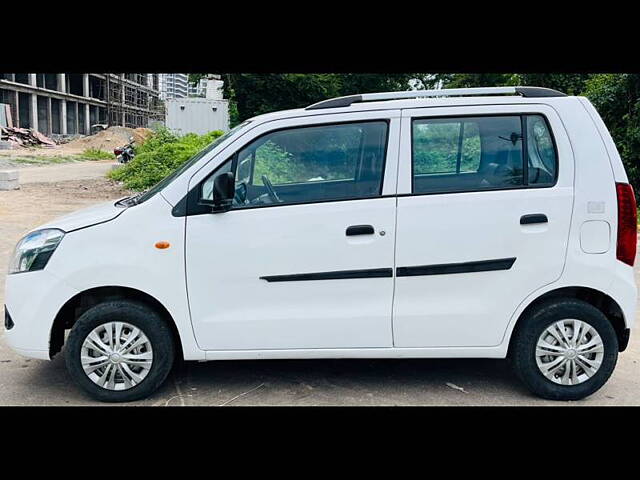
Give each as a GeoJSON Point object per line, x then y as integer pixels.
{"type": "Point", "coordinates": [223, 193]}
{"type": "Point", "coordinates": [221, 207]}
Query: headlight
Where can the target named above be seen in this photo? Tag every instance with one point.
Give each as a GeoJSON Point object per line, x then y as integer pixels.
{"type": "Point", "coordinates": [34, 250]}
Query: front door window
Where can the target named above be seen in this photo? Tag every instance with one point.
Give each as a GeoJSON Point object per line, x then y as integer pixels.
{"type": "Point", "coordinates": [309, 164]}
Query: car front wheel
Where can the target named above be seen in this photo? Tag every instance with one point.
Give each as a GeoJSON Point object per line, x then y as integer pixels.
{"type": "Point", "coordinates": [120, 351]}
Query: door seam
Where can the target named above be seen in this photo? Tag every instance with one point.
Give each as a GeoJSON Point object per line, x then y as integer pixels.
{"type": "Point", "coordinates": [395, 232]}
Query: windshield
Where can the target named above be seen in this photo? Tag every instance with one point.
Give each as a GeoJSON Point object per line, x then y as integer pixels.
{"type": "Point", "coordinates": [147, 194]}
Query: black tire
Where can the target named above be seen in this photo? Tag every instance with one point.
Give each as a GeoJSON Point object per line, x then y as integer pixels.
{"type": "Point", "coordinates": [526, 337]}
{"type": "Point", "coordinates": [138, 315]}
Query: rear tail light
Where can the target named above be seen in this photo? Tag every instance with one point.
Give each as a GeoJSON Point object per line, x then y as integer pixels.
{"type": "Point", "coordinates": [627, 224]}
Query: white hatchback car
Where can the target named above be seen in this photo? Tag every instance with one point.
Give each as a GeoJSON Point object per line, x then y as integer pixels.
{"type": "Point", "coordinates": [490, 222]}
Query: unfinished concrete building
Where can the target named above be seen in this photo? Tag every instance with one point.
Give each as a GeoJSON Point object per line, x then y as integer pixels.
{"type": "Point", "coordinates": [61, 104]}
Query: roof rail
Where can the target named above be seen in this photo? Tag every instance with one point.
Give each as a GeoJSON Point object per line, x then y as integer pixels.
{"type": "Point", "coordinates": [531, 92]}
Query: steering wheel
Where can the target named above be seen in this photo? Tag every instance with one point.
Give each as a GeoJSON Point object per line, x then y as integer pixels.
{"type": "Point", "coordinates": [272, 193]}
{"type": "Point", "coordinates": [241, 194]}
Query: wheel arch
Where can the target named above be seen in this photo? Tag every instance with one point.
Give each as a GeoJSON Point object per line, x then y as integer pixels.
{"type": "Point", "coordinates": [81, 302]}
{"type": "Point", "coordinates": [603, 302]}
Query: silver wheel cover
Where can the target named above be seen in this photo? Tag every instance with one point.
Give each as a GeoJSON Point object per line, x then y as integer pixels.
{"type": "Point", "coordinates": [569, 352]}
{"type": "Point", "coordinates": [116, 356]}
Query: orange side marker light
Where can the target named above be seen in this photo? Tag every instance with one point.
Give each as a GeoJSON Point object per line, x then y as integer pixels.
{"type": "Point", "coordinates": [162, 245]}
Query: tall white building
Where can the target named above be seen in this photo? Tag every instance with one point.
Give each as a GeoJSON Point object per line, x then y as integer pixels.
{"type": "Point", "coordinates": [213, 89]}
{"type": "Point", "coordinates": [174, 85]}
{"type": "Point", "coordinates": [208, 87]}
{"type": "Point", "coordinates": [199, 89]}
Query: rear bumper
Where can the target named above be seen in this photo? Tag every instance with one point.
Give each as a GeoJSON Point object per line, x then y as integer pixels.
{"type": "Point", "coordinates": [624, 291]}
{"type": "Point", "coordinates": [33, 299]}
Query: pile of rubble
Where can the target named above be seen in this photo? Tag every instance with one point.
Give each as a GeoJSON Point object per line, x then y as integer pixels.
{"type": "Point", "coordinates": [24, 137]}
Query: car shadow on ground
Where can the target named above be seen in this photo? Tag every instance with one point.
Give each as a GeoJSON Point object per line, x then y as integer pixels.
{"type": "Point", "coordinates": [350, 382]}
{"type": "Point", "coordinates": [295, 382]}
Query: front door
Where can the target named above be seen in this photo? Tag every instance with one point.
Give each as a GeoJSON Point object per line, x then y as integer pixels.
{"type": "Point", "coordinates": [304, 258]}
{"type": "Point", "coordinates": [483, 220]}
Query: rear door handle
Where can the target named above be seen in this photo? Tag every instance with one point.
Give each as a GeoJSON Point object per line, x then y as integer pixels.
{"type": "Point", "coordinates": [359, 230]}
{"type": "Point", "coordinates": [533, 218]}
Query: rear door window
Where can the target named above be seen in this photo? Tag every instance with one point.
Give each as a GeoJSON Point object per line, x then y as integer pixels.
{"type": "Point", "coordinates": [459, 154]}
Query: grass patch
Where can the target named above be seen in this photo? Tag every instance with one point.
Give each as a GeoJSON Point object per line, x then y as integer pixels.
{"type": "Point", "coordinates": [96, 154]}
{"type": "Point", "coordinates": [41, 160]}
{"type": "Point", "coordinates": [36, 160]}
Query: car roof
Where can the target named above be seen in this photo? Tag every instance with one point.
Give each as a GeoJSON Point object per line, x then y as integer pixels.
{"type": "Point", "coordinates": [409, 103]}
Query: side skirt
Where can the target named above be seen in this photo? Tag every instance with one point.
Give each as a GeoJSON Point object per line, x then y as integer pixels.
{"type": "Point", "coordinates": [499, 351]}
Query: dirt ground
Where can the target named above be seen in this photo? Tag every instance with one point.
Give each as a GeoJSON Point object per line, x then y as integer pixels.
{"type": "Point", "coordinates": [106, 141]}
{"type": "Point", "coordinates": [268, 382]}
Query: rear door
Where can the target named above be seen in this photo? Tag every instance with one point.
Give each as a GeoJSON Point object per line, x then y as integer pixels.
{"type": "Point", "coordinates": [485, 205]}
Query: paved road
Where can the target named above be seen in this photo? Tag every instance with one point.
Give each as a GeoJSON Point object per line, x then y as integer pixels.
{"type": "Point", "coordinates": [267, 382]}
{"type": "Point", "coordinates": [65, 171]}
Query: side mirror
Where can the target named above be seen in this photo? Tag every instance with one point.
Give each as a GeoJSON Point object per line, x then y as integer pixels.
{"type": "Point", "coordinates": [224, 187]}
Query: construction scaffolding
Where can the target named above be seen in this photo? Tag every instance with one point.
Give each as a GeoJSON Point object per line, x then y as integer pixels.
{"type": "Point", "coordinates": [68, 104]}
{"type": "Point", "coordinates": [131, 102]}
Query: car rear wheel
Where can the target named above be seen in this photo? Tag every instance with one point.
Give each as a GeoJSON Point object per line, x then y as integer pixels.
{"type": "Point", "coordinates": [565, 349]}
{"type": "Point", "coordinates": [120, 351]}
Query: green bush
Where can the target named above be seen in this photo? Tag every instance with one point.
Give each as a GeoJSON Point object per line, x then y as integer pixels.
{"type": "Point", "coordinates": [159, 156]}
{"type": "Point", "coordinates": [96, 154]}
{"type": "Point", "coordinates": [160, 136]}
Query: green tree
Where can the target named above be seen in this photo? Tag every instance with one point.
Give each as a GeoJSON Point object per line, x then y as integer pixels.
{"type": "Point", "coordinates": [470, 80]}
{"type": "Point", "coordinates": [617, 99]}
{"type": "Point", "coordinates": [354, 83]}
{"type": "Point", "coordinates": [255, 93]}
{"type": "Point", "coordinates": [194, 78]}
{"type": "Point", "coordinates": [569, 83]}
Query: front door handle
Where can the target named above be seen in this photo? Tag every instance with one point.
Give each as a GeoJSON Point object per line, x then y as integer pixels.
{"type": "Point", "coordinates": [360, 230]}
{"type": "Point", "coordinates": [533, 218]}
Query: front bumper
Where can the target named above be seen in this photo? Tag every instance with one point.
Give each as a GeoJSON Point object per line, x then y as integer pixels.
{"type": "Point", "coordinates": [33, 299]}
{"type": "Point", "coordinates": [624, 339]}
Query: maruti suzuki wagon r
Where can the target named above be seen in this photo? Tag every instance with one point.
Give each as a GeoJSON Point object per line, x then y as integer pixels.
{"type": "Point", "coordinates": [486, 223]}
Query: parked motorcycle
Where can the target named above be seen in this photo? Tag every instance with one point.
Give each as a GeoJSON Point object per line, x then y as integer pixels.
{"type": "Point", "coordinates": [125, 154]}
